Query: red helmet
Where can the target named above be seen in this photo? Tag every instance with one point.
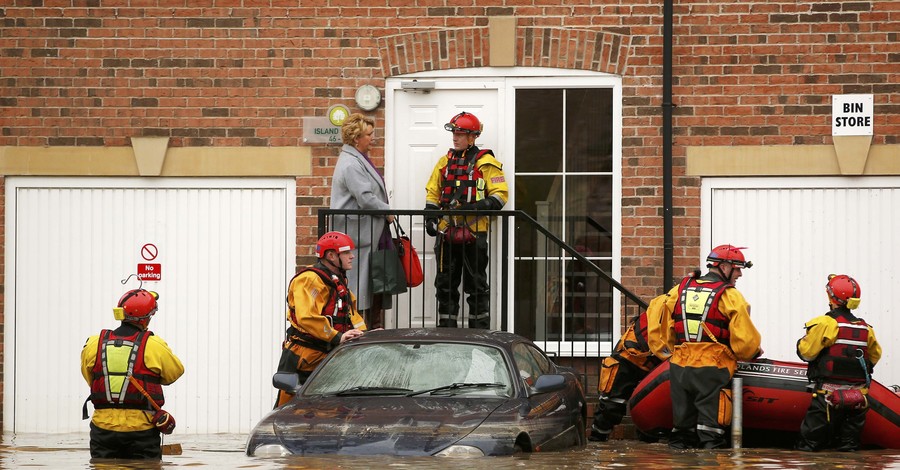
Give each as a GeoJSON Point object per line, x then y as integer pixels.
{"type": "Point", "coordinates": [728, 254]}
{"type": "Point", "coordinates": [138, 304]}
{"type": "Point", "coordinates": [339, 241]}
{"type": "Point", "coordinates": [843, 290]}
{"type": "Point", "coordinates": [465, 122]}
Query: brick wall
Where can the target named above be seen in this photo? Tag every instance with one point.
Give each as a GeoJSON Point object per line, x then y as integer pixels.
{"type": "Point", "coordinates": [244, 72]}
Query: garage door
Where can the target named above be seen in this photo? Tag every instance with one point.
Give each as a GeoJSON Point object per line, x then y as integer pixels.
{"type": "Point", "coordinates": [798, 231]}
{"type": "Point", "coordinates": [218, 251]}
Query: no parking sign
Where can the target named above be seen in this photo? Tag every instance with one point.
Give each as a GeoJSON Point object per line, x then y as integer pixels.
{"type": "Point", "coordinates": [149, 271]}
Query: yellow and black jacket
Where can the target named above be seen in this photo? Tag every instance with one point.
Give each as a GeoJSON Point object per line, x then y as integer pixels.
{"type": "Point", "coordinates": [320, 309]}
{"type": "Point", "coordinates": [154, 365]}
{"type": "Point", "coordinates": [468, 177]}
{"type": "Point", "coordinates": [706, 309]}
{"type": "Point", "coordinates": [839, 347]}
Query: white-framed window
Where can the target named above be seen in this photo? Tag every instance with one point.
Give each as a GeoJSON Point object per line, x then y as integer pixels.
{"type": "Point", "coordinates": [567, 175]}
{"type": "Point", "coordinates": [558, 134]}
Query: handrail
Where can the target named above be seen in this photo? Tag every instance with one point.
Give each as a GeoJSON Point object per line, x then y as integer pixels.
{"type": "Point", "coordinates": [578, 256]}
{"type": "Point", "coordinates": [593, 223]}
{"type": "Point", "coordinates": [323, 213]}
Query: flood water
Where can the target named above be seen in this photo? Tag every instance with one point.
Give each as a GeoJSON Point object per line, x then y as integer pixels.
{"type": "Point", "coordinates": [226, 451]}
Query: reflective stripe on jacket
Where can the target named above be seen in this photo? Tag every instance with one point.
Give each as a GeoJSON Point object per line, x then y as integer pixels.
{"type": "Point", "coordinates": [698, 305]}
{"type": "Point", "coordinates": [118, 358]}
{"type": "Point", "coordinates": [744, 338]}
{"type": "Point", "coordinates": [485, 180]}
{"type": "Point", "coordinates": [463, 181]}
{"type": "Point", "coordinates": [846, 359]}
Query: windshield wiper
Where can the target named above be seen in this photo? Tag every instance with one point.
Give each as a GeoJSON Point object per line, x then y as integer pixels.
{"type": "Point", "coordinates": [457, 386]}
{"type": "Point", "coordinates": [372, 391]}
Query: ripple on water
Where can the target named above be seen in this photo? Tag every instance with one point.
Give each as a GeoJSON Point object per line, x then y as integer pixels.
{"type": "Point", "coordinates": [226, 451]}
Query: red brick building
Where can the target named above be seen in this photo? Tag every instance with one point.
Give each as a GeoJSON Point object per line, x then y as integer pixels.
{"type": "Point", "coordinates": [220, 88]}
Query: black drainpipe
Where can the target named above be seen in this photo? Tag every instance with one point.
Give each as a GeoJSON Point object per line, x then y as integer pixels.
{"type": "Point", "coordinates": [667, 106]}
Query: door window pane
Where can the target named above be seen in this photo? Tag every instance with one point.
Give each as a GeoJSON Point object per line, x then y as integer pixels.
{"type": "Point", "coordinates": [539, 117]}
{"type": "Point", "coordinates": [542, 198]}
{"type": "Point", "coordinates": [589, 214]}
{"type": "Point", "coordinates": [589, 130]}
{"type": "Point", "coordinates": [555, 304]}
{"type": "Point", "coordinates": [564, 180]}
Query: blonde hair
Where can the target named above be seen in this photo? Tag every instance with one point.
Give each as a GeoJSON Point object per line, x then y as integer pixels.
{"type": "Point", "coordinates": [355, 126]}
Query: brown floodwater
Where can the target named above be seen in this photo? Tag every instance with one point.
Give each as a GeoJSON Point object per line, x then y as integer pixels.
{"type": "Point", "coordinates": [226, 451]}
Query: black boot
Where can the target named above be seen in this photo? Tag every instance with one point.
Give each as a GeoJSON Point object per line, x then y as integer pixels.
{"type": "Point", "coordinates": [599, 435]}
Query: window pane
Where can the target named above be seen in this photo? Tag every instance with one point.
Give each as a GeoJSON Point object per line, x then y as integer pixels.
{"type": "Point", "coordinates": [588, 308]}
{"type": "Point", "coordinates": [557, 298]}
{"type": "Point", "coordinates": [539, 128]}
{"type": "Point", "coordinates": [589, 136]}
{"type": "Point", "coordinates": [542, 198]}
{"type": "Point", "coordinates": [548, 301]}
{"type": "Point", "coordinates": [529, 371]}
{"type": "Point", "coordinates": [589, 214]}
{"type": "Point", "coordinates": [537, 298]}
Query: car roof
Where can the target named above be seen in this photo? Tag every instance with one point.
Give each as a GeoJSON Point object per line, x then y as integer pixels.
{"type": "Point", "coordinates": [465, 335]}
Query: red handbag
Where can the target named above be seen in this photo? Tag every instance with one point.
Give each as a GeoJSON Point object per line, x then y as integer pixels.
{"type": "Point", "coordinates": [409, 258]}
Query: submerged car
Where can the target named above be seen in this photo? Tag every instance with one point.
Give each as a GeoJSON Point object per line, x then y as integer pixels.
{"type": "Point", "coordinates": [424, 392]}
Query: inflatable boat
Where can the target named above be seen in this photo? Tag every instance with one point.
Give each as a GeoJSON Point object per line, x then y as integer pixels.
{"type": "Point", "coordinates": [775, 399]}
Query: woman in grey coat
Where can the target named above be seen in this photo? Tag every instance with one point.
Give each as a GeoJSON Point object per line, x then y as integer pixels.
{"type": "Point", "coordinates": [357, 184]}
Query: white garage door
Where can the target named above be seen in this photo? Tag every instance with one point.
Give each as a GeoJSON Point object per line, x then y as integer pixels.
{"type": "Point", "coordinates": [224, 250]}
{"type": "Point", "coordinates": [798, 231]}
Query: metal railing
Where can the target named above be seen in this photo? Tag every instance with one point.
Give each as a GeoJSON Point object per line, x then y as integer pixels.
{"type": "Point", "coordinates": [541, 287]}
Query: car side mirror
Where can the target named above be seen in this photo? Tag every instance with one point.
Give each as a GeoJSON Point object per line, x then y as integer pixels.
{"type": "Point", "coordinates": [287, 381]}
{"type": "Point", "coordinates": [549, 383]}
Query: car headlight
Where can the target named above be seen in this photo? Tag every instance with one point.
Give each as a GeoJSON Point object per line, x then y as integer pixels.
{"type": "Point", "coordinates": [271, 450]}
{"type": "Point", "coordinates": [460, 451]}
{"type": "Point", "coordinates": [264, 442]}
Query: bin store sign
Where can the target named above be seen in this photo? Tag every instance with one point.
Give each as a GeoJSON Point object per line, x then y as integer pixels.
{"type": "Point", "coordinates": [325, 130]}
{"type": "Point", "coordinates": [852, 114]}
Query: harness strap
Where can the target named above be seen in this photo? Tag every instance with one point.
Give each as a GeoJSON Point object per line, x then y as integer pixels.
{"type": "Point", "coordinates": [303, 339]}
{"type": "Point", "coordinates": [709, 333]}
{"type": "Point", "coordinates": [131, 360]}
{"type": "Point", "coordinates": [862, 363]}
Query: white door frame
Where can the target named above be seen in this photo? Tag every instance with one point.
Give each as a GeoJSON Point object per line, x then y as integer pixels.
{"type": "Point", "coordinates": [506, 80]}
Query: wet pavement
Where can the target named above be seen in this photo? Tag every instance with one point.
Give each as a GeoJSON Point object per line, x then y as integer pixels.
{"type": "Point", "coordinates": [226, 451]}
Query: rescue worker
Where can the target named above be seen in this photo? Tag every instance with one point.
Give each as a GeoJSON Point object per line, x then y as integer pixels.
{"type": "Point", "coordinates": [466, 178]}
{"type": "Point", "coordinates": [620, 373]}
{"type": "Point", "coordinates": [841, 350]}
{"type": "Point", "coordinates": [125, 424]}
{"type": "Point", "coordinates": [705, 331]}
{"type": "Point", "coordinates": [321, 309]}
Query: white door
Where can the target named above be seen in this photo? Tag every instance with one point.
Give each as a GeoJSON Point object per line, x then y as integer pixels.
{"type": "Point", "coordinates": [224, 250]}
{"type": "Point", "coordinates": [417, 140]}
{"type": "Point", "coordinates": [799, 230]}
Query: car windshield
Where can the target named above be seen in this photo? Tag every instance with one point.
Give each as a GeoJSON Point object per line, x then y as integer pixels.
{"type": "Point", "coordinates": [412, 369]}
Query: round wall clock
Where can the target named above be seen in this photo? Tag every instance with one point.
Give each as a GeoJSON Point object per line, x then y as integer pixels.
{"type": "Point", "coordinates": [368, 97]}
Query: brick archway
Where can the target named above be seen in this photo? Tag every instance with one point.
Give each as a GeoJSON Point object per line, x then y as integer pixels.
{"type": "Point", "coordinates": [564, 48]}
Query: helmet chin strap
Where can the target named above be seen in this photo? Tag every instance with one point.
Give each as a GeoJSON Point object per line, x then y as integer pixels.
{"type": "Point", "coordinates": [722, 271]}
{"type": "Point", "coordinates": [143, 323]}
{"type": "Point", "coordinates": [339, 267]}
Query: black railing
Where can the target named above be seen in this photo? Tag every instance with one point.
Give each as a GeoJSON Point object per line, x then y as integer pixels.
{"type": "Point", "coordinates": [561, 299]}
